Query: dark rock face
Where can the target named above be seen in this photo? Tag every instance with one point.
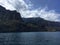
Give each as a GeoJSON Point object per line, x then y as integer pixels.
{"type": "Point", "coordinates": [9, 15]}
{"type": "Point", "coordinates": [11, 21]}
{"type": "Point", "coordinates": [44, 25]}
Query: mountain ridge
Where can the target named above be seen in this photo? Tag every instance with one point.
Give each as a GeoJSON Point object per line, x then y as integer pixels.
{"type": "Point", "coordinates": [11, 21]}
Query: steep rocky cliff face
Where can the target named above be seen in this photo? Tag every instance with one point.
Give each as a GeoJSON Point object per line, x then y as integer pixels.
{"type": "Point", "coordinates": [9, 15]}
{"type": "Point", "coordinates": [11, 21]}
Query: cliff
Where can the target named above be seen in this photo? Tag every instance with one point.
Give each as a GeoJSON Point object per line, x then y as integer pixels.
{"type": "Point", "coordinates": [11, 21]}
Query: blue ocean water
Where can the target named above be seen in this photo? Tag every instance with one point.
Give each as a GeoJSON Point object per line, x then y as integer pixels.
{"type": "Point", "coordinates": [30, 38]}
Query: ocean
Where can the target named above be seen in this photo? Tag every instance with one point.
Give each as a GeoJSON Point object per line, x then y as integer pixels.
{"type": "Point", "coordinates": [30, 38]}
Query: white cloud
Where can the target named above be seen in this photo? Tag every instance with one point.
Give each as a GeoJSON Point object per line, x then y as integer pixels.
{"type": "Point", "coordinates": [14, 4]}
{"type": "Point", "coordinates": [23, 7]}
{"type": "Point", "coordinates": [5, 4]}
{"type": "Point", "coordinates": [47, 15]}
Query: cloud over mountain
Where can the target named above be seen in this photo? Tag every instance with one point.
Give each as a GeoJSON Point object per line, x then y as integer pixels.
{"type": "Point", "coordinates": [24, 7]}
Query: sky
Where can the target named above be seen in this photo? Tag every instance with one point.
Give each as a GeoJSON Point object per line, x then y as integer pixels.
{"type": "Point", "coordinates": [46, 9]}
